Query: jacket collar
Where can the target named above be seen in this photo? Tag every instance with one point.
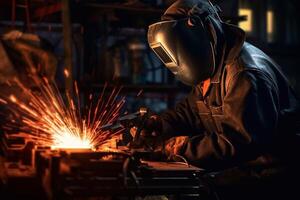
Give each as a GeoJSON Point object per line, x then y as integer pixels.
{"type": "Point", "coordinates": [234, 40]}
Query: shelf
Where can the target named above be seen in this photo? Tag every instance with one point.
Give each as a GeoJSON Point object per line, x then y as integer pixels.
{"type": "Point", "coordinates": [131, 8]}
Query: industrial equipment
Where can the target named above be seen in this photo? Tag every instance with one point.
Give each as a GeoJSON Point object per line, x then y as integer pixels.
{"type": "Point", "coordinates": [38, 172]}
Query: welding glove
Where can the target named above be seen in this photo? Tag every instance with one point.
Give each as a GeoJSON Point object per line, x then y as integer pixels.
{"type": "Point", "coordinates": [151, 127]}
{"type": "Point", "coordinates": [147, 133]}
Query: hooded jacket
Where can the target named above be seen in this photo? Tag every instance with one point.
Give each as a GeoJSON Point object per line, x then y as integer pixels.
{"type": "Point", "coordinates": [248, 113]}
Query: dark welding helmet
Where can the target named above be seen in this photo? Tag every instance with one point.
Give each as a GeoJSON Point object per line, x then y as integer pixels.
{"type": "Point", "coordinates": [187, 50]}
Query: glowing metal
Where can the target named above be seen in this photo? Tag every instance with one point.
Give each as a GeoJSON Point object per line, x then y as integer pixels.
{"type": "Point", "coordinates": [58, 121]}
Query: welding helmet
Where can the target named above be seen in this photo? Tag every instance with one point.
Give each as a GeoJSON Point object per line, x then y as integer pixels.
{"type": "Point", "coordinates": [186, 50]}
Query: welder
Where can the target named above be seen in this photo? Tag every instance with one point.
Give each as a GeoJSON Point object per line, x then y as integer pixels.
{"type": "Point", "coordinates": [242, 111]}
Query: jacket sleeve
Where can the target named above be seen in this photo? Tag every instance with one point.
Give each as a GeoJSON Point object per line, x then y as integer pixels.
{"type": "Point", "coordinates": [183, 120]}
{"type": "Point", "coordinates": [250, 115]}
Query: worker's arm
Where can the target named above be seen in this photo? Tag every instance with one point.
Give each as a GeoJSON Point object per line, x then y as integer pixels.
{"type": "Point", "coordinates": [250, 110]}
{"type": "Point", "coordinates": [184, 119]}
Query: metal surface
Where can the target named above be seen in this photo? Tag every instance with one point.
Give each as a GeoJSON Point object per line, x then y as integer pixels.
{"type": "Point", "coordinates": [70, 173]}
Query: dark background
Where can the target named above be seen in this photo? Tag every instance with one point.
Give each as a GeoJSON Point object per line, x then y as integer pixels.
{"type": "Point", "coordinates": [107, 41]}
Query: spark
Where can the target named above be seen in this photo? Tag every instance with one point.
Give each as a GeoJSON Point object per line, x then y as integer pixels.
{"type": "Point", "coordinates": [13, 98]}
{"type": "Point", "coordinates": [57, 119]}
{"type": "Point", "coordinates": [139, 93]}
{"type": "Point", "coordinates": [66, 73]}
{"type": "Point", "coordinates": [3, 101]}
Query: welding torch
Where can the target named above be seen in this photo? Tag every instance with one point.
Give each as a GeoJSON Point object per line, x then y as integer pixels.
{"type": "Point", "coordinates": [136, 119]}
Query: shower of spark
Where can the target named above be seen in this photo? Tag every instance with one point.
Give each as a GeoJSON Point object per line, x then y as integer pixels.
{"type": "Point", "coordinates": [57, 120]}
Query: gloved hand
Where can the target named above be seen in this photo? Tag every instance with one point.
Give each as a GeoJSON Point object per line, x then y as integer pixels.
{"type": "Point", "coordinates": [147, 135]}
{"type": "Point", "coordinates": [151, 128]}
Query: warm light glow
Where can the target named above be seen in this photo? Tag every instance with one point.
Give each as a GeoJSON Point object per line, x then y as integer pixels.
{"type": "Point", "coordinates": [270, 18]}
{"type": "Point", "coordinates": [159, 37]}
{"type": "Point", "coordinates": [66, 73]}
{"type": "Point", "coordinates": [270, 25]}
{"type": "Point", "coordinates": [12, 98]}
{"type": "Point", "coordinates": [247, 24]}
{"type": "Point", "coordinates": [68, 141]}
{"type": "Point", "coordinates": [58, 120]}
